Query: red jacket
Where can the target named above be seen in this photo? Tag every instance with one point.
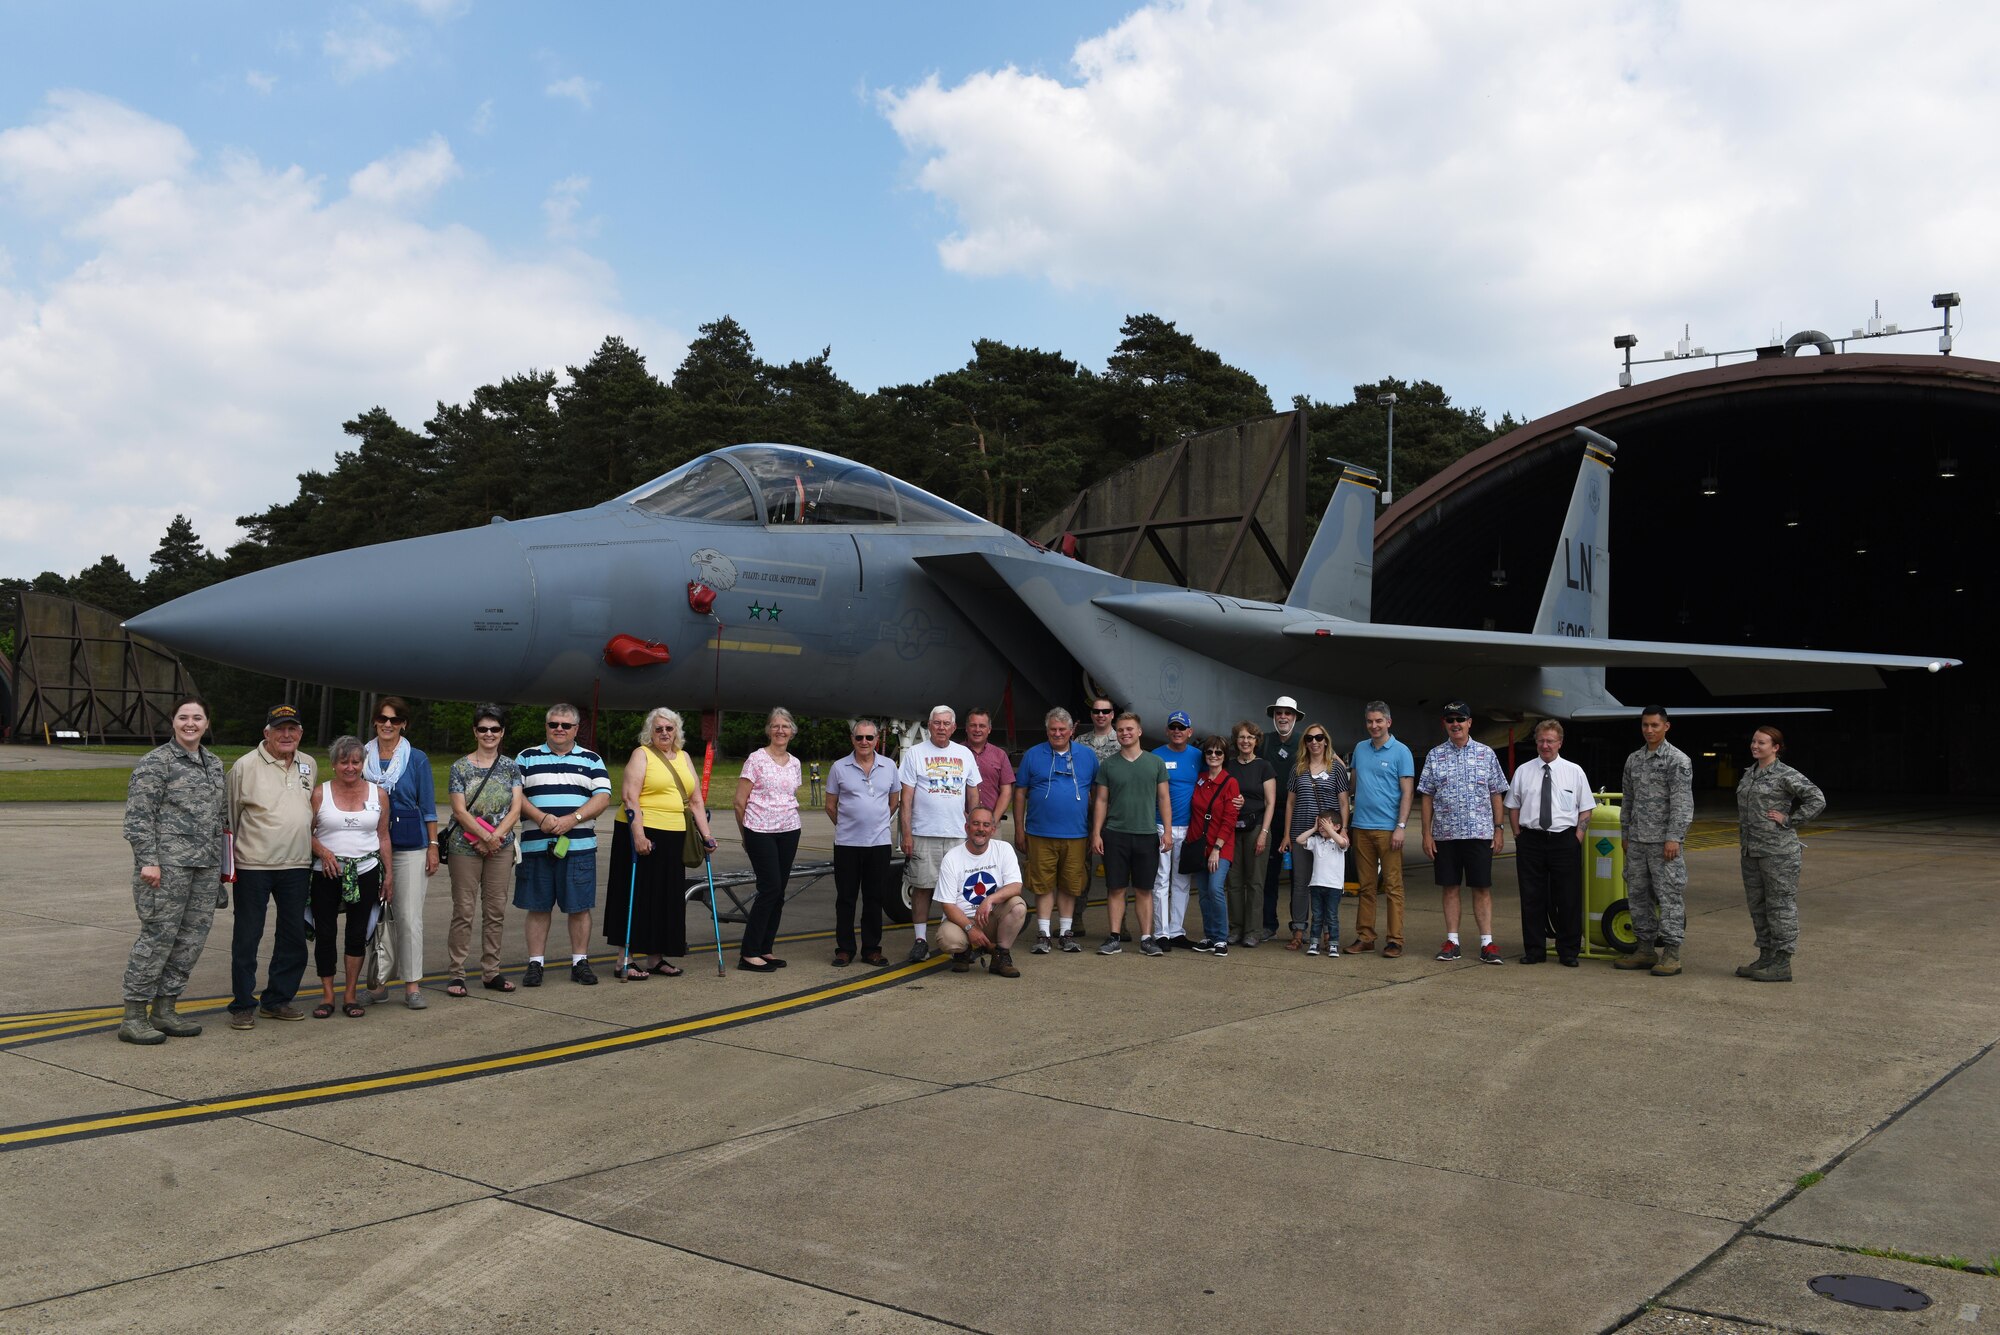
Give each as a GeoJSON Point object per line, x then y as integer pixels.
{"type": "Point", "coordinates": [1212, 812]}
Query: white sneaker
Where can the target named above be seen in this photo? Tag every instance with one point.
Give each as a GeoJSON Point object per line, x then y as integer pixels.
{"type": "Point", "coordinates": [1312, 947]}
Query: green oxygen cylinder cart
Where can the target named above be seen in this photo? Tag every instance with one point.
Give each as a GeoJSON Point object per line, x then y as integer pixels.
{"type": "Point", "coordinates": [1609, 932]}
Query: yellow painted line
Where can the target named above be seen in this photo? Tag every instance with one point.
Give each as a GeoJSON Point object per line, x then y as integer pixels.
{"type": "Point", "coordinates": [189, 1112]}
{"type": "Point", "coordinates": [755, 647]}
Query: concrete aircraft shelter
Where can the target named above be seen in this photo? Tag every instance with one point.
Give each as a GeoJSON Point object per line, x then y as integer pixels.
{"type": "Point", "coordinates": [1855, 501]}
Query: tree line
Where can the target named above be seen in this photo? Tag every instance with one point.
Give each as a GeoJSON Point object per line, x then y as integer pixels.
{"type": "Point", "coordinates": [1012, 435]}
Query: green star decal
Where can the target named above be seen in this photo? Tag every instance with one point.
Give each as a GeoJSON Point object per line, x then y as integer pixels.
{"type": "Point", "coordinates": [773, 610]}
{"type": "Point", "coordinates": [756, 611]}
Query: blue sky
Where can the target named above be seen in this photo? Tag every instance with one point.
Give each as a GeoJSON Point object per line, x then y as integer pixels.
{"type": "Point", "coordinates": [226, 227]}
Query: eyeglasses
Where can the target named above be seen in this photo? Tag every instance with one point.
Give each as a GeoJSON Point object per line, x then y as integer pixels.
{"type": "Point", "coordinates": [559, 725]}
{"type": "Point", "coordinates": [864, 736]}
{"type": "Point", "coordinates": [387, 718]}
{"type": "Point", "coordinates": [664, 727]}
{"type": "Point", "coordinates": [484, 731]}
{"type": "Point", "coordinates": [1214, 751]}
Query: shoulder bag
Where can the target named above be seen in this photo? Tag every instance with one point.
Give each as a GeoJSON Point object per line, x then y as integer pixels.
{"type": "Point", "coordinates": [450, 826]}
{"type": "Point", "coordinates": [693, 854]}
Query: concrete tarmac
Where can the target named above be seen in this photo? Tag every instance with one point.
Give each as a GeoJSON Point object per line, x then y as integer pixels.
{"type": "Point", "coordinates": [1262, 1143]}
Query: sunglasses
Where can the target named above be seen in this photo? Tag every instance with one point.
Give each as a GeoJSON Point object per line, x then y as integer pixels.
{"type": "Point", "coordinates": [555, 726]}
{"type": "Point", "coordinates": [864, 736]}
{"type": "Point", "coordinates": [664, 727]}
{"type": "Point", "coordinates": [483, 731]}
{"type": "Point", "coordinates": [1214, 751]}
{"type": "Point", "coordinates": [387, 718]}
{"type": "Point", "coordinates": [1316, 737]}
{"type": "Point", "coordinates": [1457, 718]}
{"type": "Point", "coordinates": [1101, 711]}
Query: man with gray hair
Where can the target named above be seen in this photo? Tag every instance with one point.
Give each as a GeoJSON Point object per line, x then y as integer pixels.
{"type": "Point", "coordinates": [1385, 783]}
{"type": "Point", "coordinates": [564, 788]}
{"type": "Point", "coordinates": [1052, 815]}
{"type": "Point", "coordinates": [940, 781]}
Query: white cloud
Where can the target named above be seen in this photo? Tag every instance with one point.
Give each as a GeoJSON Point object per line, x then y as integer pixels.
{"type": "Point", "coordinates": [408, 176]}
{"type": "Point", "coordinates": [561, 206]}
{"type": "Point", "coordinates": [224, 318]}
{"type": "Point", "coordinates": [362, 45]}
{"type": "Point", "coordinates": [260, 82]}
{"type": "Point", "coordinates": [482, 117]}
{"type": "Point", "coordinates": [83, 144]}
{"type": "Point", "coordinates": [1479, 195]}
{"type": "Point", "coordinates": [576, 88]}
{"type": "Point", "coordinates": [437, 11]}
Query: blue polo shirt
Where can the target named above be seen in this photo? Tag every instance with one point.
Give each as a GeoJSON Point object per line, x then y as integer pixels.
{"type": "Point", "coordinates": [1379, 772]}
{"type": "Point", "coordinates": [559, 785]}
{"type": "Point", "coordinates": [1183, 772]}
{"type": "Point", "coordinates": [1055, 790]}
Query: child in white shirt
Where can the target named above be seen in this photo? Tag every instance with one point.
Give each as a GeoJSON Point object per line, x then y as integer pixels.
{"type": "Point", "coordinates": [1328, 845]}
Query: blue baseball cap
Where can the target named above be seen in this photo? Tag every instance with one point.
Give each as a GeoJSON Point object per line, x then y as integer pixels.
{"type": "Point", "coordinates": [1179, 719]}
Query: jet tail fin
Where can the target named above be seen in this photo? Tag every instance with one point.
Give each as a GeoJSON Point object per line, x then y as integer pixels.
{"type": "Point", "coordinates": [1576, 602]}
{"type": "Point", "coordinates": [1338, 574]}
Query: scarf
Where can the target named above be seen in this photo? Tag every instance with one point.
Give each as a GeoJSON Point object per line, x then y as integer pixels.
{"type": "Point", "coordinates": [373, 770]}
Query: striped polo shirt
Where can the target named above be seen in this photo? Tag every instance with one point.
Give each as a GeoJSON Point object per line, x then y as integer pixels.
{"type": "Point", "coordinates": [559, 785]}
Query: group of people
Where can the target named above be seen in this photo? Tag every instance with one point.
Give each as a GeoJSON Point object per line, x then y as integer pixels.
{"type": "Point", "coordinates": [1182, 821]}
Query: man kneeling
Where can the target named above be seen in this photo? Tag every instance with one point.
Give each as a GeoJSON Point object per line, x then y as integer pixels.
{"type": "Point", "coordinates": [979, 893]}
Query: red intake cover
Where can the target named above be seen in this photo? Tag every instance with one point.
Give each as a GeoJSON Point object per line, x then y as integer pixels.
{"type": "Point", "coordinates": [701, 598]}
{"type": "Point", "coordinates": [631, 651]}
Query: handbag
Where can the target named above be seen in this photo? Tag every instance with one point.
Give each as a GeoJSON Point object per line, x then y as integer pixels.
{"type": "Point", "coordinates": [692, 852]}
{"type": "Point", "coordinates": [1194, 852]}
{"type": "Point", "coordinates": [450, 826]}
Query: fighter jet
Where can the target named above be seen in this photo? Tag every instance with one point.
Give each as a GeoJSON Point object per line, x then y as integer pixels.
{"type": "Point", "coordinates": [767, 574]}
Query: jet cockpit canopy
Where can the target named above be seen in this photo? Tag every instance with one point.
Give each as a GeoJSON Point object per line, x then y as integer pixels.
{"type": "Point", "coordinates": [782, 485]}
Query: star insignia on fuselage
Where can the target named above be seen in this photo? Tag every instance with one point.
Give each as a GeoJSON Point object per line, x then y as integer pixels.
{"type": "Point", "coordinates": [759, 612]}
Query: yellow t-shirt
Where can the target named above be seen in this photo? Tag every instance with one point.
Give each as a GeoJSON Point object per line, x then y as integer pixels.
{"type": "Point", "coordinates": [660, 806]}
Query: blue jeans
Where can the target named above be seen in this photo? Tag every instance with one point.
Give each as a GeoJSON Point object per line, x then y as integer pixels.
{"type": "Point", "coordinates": [1326, 912]}
{"type": "Point", "coordinates": [1215, 902]}
{"type": "Point", "coordinates": [255, 892]}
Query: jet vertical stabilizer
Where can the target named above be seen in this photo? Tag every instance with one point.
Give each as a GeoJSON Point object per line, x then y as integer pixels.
{"type": "Point", "coordinates": [1577, 599]}
{"type": "Point", "coordinates": [1338, 574]}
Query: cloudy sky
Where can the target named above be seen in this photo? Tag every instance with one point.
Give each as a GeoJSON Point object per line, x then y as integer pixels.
{"type": "Point", "coordinates": [227, 227]}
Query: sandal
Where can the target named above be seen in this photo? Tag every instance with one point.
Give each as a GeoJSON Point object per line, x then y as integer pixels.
{"type": "Point", "coordinates": [321, 1011]}
{"type": "Point", "coordinates": [499, 982]}
{"type": "Point", "coordinates": [353, 1010]}
{"type": "Point", "coordinates": [455, 988]}
{"type": "Point", "coordinates": [665, 970]}
{"type": "Point", "coordinates": [1298, 941]}
{"type": "Point", "coordinates": [632, 973]}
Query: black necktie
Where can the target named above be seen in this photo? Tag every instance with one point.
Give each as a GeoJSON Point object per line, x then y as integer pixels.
{"type": "Point", "coordinates": [1548, 794]}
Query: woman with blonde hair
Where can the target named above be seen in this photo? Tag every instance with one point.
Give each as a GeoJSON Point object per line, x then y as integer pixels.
{"type": "Point", "coordinates": [644, 903]}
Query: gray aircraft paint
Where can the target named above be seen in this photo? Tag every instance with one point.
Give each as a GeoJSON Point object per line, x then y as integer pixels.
{"type": "Point", "coordinates": [891, 618]}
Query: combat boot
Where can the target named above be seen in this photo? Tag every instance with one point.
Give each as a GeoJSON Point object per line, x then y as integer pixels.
{"type": "Point", "coordinates": [168, 1020]}
{"type": "Point", "coordinates": [1670, 962]}
{"type": "Point", "coordinates": [1750, 970]}
{"type": "Point", "coordinates": [136, 1029]}
{"type": "Point", "coordinates": [1779, 970]}
{"type": "Point", "coordinates": [1642, 958]}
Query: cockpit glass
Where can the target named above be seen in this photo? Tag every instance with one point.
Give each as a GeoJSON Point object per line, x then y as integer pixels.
{"type": "Point", "coordinates": [803, 488]}
{"type": "Point", "coordinates": [920, 507]}
{"type": "Point", "coordinates": [706, 488]}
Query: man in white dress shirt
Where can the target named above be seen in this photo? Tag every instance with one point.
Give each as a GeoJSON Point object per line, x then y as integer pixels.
{"type": "Point", "coordinates": [1548, 808]}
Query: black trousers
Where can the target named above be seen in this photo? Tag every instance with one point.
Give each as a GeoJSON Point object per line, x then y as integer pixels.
{"type": "Point", "coordinates": [771, 859]}
{"type": "Point", "coordinates": [327, 908]}
{"type": "Point", "coordinates": [866, 872]}
{"type": "Point", "coordinates": [1549, 864]}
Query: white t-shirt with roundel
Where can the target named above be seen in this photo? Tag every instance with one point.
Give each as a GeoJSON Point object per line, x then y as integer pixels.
{"type": "Point", "coordinates": [967, 879]}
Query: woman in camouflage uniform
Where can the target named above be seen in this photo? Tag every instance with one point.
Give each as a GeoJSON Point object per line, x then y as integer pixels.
{"type": "Point", "coordinates": [174, 814]}
{"type": "Point", "coordinates": [1772, 801]}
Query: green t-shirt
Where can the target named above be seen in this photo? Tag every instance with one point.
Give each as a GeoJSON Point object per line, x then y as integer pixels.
{"type": "Point", "coordinates": [1133, 804]}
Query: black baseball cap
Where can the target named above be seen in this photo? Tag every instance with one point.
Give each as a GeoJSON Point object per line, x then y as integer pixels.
{"type": "Point", "coordinates": [281, 715]}
{"type": "Point", "coordinates": [1458, 709]}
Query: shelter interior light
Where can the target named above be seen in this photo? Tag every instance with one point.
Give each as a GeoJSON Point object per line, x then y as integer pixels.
{"type": "Point", "coordinates": [1947, 467]}
{"type": "Point", "coordinates": [1709, 485]}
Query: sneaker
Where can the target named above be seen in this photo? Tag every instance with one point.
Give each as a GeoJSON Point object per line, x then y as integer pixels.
{"type": "Point", "coordinates": [581, 972]}
{"type": "Point", "coordinates": [961, 961]}
{"type": "Point", "coordinates": [1312, 946]}
{"type": "Point", "coordinates": [532, 975]}
{"type": "Point", "coordinates": [1448, 951]}
{"type": "Point", "coordinates": [242, 1020]}
{"type": "Point", "coordinates": [1150, 945]}
{"type": "Point", "coordinates": [1490, 954]}
{"type": "Point", "coordinates": [1221, 950]}
{"type": "Point", "coordinates": [1069, 945]}
{"type": "Point", "coordinates": [1165, 943]}
{"type": "Point", "coordinates": [1333, 950]}
{"type": "Point", "coordinates": [286, 1012]}
{"type": "Point", "coordinates": [1110, 946]}
{"type": "Point", "coordinates": [1250, 941]}
{"type": "Point", "coordinates": [1002, 963]}
{"type": "Point", "coordinates": [1206, 946]}
{"type": "Point", "coordinates": [1041, 943]}
{"type": "Point", "coordinates": [920, 951]}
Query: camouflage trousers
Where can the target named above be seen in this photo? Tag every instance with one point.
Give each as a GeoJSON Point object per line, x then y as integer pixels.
{"type": "Point", "coordinates": [1771, 888]}
{"type": "Point", "coordinates": [1656, 892]}
{"type": "Point", "coordinates": [173, 926]}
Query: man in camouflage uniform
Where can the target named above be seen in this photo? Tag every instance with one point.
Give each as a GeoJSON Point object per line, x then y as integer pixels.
{"type": "Point", "coordinates": [173, 820]}
{"type": "Point", "coordinates": [1659, 806]}
{"type": "Point", "coordinates": [1773, 801]}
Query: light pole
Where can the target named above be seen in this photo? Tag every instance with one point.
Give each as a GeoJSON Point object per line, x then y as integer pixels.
{"type": "Point", "coordinates": [1389, 469]}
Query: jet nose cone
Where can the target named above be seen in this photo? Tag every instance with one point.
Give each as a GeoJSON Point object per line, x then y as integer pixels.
{"type": "Point", "coordinates": [449, 615]}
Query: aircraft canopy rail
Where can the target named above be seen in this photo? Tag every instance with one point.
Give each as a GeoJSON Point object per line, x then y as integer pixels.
{"type": "Point", "coordinates": [784, 485]}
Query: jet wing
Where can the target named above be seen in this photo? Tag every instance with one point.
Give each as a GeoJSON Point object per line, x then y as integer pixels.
{"type": "Point", "coordinates": [1725, 668]}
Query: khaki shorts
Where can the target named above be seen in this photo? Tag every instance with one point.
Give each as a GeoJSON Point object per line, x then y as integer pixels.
{"type": "Point", "coordinates": [951, 938]}
{"type": "Point", "coordinates": [921, 869]}
{"type": "Point", "coordinates": [1057, 865]}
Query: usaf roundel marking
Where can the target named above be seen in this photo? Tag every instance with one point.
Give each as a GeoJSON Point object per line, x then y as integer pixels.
{"type": "Point", "coordinates": [978, 885]}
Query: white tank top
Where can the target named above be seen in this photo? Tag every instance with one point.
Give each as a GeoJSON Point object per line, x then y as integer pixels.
{"type": "Point", "coordinates": [350, 834]}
